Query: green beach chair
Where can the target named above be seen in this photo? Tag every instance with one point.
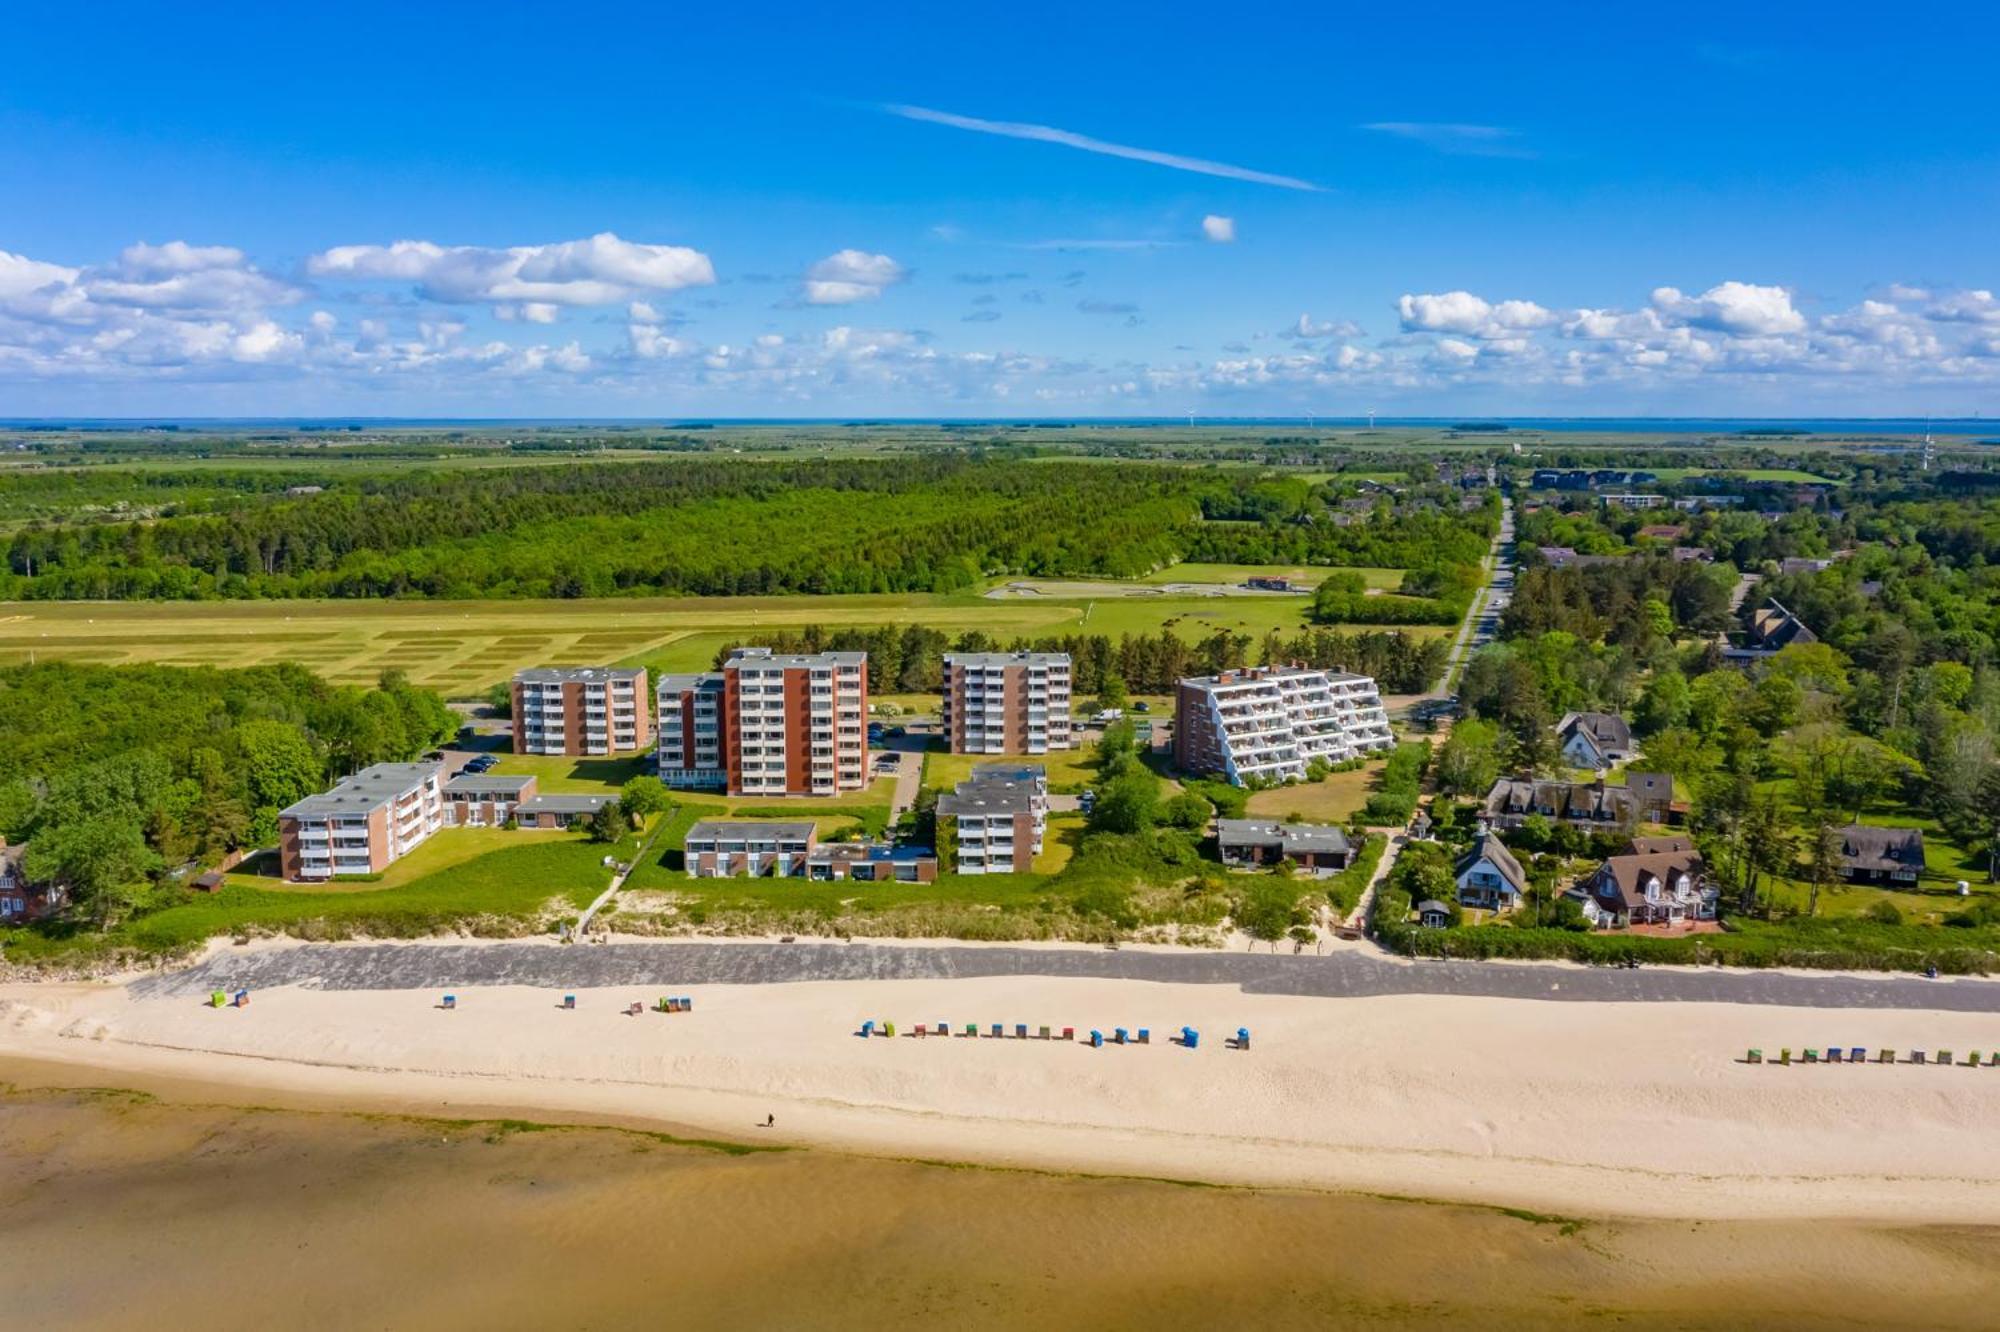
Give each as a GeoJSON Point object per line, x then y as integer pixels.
{"type": "Point", "coordinates": [1812, 1056]}
{"type": "Point", "coordinates": [1755, 1057]}
{"type": "Point", "coordinates": [1785, 1056]}
{"type": "Point", "coordinates": [217, 999]}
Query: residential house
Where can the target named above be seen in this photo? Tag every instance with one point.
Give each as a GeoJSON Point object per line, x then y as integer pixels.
{"type": "Point", "coordinates": [1270, 583]}
{"type": "Point", "coordinates": [559, 811]}
{"type": "Point", "coordinates": [484, 799]}
{"type": "Point", "coordinates": [1433, 914]}
{"type": "Point", "coordinates": [1513, 800]}
{"type": "Point", "coordinates": [1317, 849]}
{"type": "Point", "coordinates": [20, 900]}
{"type": "Point", "coordinates": [1652, 796]}
{"type": "Point", "coordinates": [1692, 555]}
{"type": "Point", "coordinates": [1489, 877]}
{"type": "Point", "coordinates": [580, 710]}
{"type": "Point", "coordinates": [1648, 887]}
{"type": "Point", "coordinates": [1772, 630]}
{"type": "Point", "coordinates": [1803, 566]}
{"type": "Point", "coordinates": [1881, 855]}
{"type": "Point", "coordinates": [720, 848]}
{"type": "Point", "coordinates": [1594, 739]}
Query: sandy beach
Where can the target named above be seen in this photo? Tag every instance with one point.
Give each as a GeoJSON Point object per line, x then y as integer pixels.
{"type": "Point", "coordinates": [1632, 1109]}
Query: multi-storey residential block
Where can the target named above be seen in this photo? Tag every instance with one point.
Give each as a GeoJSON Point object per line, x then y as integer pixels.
{"type": "Point", "coordinates": [993, 821]}
{"type": "Point", "coordinates": [1269, 722]}
{"type": "Point", "coordinates": [720, 848]}
{"type": "Point", "coordinates": [364, 823]}
{"type": "Point", "coordinates": [484, 799]}
{"type": "Point", "coordinates": [1007, 702]}
{"type": "Point", "coordinates": [580, 710]}
{"type": "Point", "coordinates": [767, 724]}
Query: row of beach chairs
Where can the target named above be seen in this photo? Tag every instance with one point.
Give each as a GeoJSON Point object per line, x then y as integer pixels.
{"type": "Point", "coordinates": [1096, 1039]}
{"type": "Point", "coordinates": [1859, 1055]}
{"type": "Point", "coordinates": [676, 1004]}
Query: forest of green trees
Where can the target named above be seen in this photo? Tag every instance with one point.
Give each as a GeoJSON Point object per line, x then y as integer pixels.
{"type": "Point", "coordinates": [118, 778]}
{"type": "Point", "coordinates": [703, 526]}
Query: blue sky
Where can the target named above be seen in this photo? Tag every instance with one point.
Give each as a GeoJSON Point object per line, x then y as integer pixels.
{"type": "Point", "coordinates": [1146, 209]}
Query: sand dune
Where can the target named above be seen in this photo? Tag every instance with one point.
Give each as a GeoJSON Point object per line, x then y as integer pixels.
{"type": "Point", "coordinates": [1626, 1109]}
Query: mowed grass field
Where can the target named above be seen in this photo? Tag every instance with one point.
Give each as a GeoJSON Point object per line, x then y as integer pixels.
{"type": "Point", "coordinates": [462, 647]}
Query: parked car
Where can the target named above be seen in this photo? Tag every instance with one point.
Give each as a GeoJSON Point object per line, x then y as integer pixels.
{"type": "Point", "coordinates": [1142, 706]}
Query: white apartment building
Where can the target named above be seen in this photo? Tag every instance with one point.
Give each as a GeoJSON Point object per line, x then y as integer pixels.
{"type": "Point", "coordinates": [1268, 723]}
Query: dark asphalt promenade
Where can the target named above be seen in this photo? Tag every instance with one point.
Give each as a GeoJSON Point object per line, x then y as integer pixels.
{"type": "Point", "coordinates": [678, 965]}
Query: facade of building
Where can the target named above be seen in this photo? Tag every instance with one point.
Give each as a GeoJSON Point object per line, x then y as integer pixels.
{"type": "Point", "coordinates": [767, 724]}
{"type": "Point", "coordinates": [364, 824]}
{"type": "Point", "coordinates": [720, 848]}
{"type": "Point", "coordinates": [484, 799]}
{"type": "Point", "coordinates": [1315, 848]}
{"type": "Point", "coordinates": [1007, 702]}
{"type": "Point", "coordinates": [1269, 722]}
{"type": "Point", "coordinates": [994, 821]}
{"type": "Point", "coordinates": [1660, 881]}
{"type": "Point", "coordinates": [1489, 877]}
{"type": "Point", "coordinates": [559, 811]}
{"type": "Point", "coordinates": [581, 710]}
{"type": "Point", "coordinates": [19, 900]}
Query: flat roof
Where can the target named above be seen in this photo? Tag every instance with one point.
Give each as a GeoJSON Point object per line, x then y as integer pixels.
{"type": "Point", "coordinates": [1299, 836]}
{"type": "Point", "coordinates": [481, 781]}
{"type": "Point", "coordinates": [748, 656]}
{"type": "Point", "coordinates": [744, 830]}
{"type": "Point", "coordinates": [577, 674]}
{"type": "Point", "coordinates": [1271, 675]}
{"type": "Point", "coordinates": [364, 790]}
{"type": "Point", "coordinates": [991, 659]}
{"type": "Point", "coordinates": [564, 804]}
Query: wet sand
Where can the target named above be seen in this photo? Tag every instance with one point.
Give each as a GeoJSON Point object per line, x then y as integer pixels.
{"type": "Point", "coordinates": [163, 1208]}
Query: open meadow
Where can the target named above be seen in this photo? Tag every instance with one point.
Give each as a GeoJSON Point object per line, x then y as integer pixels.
{"type": "Point", "coordinates": [461, 647]}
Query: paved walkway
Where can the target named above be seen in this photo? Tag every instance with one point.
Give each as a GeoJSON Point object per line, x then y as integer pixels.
{"type": "Point", "coordinates": [1347, 975]}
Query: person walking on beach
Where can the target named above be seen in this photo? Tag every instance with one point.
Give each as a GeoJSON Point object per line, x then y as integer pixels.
{"type": "Point", "coordinates": [770, 1121]}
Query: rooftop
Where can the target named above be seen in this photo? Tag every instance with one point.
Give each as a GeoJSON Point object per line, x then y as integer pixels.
{"type": "Point", "coordinates": [577, 674]}
{"type": "Point", "coordinates": [564, 804]}
{"type": "Point", "coordinates": [989, 660]}
{"type": "Point", "coordinates": [364, 790]}
{"type": "Point", "coordinates": [760, 656]}
{"type": "Point", "coordinates": [1292, 836]}
{"type": "Point", "coordinates": [746, 830]}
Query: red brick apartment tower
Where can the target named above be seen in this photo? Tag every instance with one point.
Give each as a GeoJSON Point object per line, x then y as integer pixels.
{"type": "Point", "coordinates": [1007, 702]}
{"type": "Point", "coordinates": [766, 724]}
{"type": "Point", "coordinates": [581, 710]}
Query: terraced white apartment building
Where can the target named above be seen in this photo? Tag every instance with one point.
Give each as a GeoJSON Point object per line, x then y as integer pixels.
{"type": "Point", "coordinates": [1268, 723]}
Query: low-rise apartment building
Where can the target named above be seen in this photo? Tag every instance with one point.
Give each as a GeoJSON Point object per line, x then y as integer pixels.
{"type": "Point", "coordinates": [768, 724]}
{"type": "Point", "coordinates": [364, 824]}
{"type": "Point", "coordinates": [581, 710]}
{"type": "Point", "coordinates": [1007, 702]}
{"type": "Point", "coordinates": [722, 848]}
{"type": "Point", "coordinates": [994, 821]}
{"type": "Point", "coordinates": [1268, 723]}
{"type": "Point", "coordinates": [484, 799]}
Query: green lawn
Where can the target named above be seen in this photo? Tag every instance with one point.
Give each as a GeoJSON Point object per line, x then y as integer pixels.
{"type": "Point", "coordinates": [1331, 801]}
{"type": "Point", "coordinates": [519, 885]}
{"type": "Point", "coordinates": [1070, 770]}
{"type": "Point", "coordinates": [1237, 573]}
{"type": "Point", "coordinates": [442, 850]}
{"type": "Point", "coordinates": [561, 774]}
{"type": "Point", "coordinates": [1745, 474]}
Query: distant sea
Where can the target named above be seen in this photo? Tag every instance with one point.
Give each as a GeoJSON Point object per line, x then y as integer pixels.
{"type": "Point", "coordinates": [1690, 425]}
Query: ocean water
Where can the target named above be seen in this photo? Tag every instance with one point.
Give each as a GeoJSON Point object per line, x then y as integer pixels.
{"type": "Point", "coordinates": [119, 1210]}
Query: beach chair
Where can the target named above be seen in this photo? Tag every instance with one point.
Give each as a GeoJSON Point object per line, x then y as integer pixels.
{"type": "Point", "coordinates": [1993, 1060]}
{"type": "Point", "coordinates": [687, 1003]}
{"type": "Point", "coordinates": [1785, 1056]}
{"type": "Point", "coordinates": [888, 1029]}
{"type": "Point", "coordinates": [1755, 1057]}
{"type": "Point", "coordinates": [1190, 1038]}
{"type": "Point", "coordinates": [451, 1001]}
{"type": "Point", "coordinates": [1045, 1034]}
{"type": "Point", "coordinates": [1020, 1031]}
{"type": "Point", "coordinates": [920, 1030]}
{"type": "Point", "coordinates": [1857, 1055]}
{"type": "Point", "coordinates": [1972, 1060]}
{"type": "Point", "coordinates": [217, 999]}
{"type": "Point", "coordinates": [1944, 1057]}
{"type": "Point", "coordinates": [996, 1031]}
{"type": "Point", "coordinates": [1118, 1035]}
{"type": "Point", "coordinates": [944, 1029]}
{"type": "Point", "coordinates": [1145, 1036]}
{"type": "Point", "coordinates": [569, 1001]}
{"type": "Point", "coordinates": [867, 1028]}
{"type": "Point", "coordinates": [1916, 1056]}
{"type": "Point", "coordinates": [1243, 1038]}
{"type": "Point", "coordinates": [1885, 1056]}
{"type": "Point", "coordinates": [635, 1010]}
{"type": "Point", "coordinates": [1812, 1056]}
{"type": "Point", "coordinates": [243, 998]}
{"type": "Point", "coordinates": [1832, 1054]}
{"type": "Point", "coordinates": [1097, 1040]}
{"type": "Point", "coordinates": [972, 1030]}
{"type": "Point", "coordinates": [1069, 1033]}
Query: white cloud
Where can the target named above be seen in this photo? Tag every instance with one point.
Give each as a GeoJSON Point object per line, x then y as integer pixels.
{"type": "Point", "coordinates": [1069, 139]}
{"type": "Point", "coordinates": [1219, 229]}
{"type": "Point", "coordinates": [1456, 138]}
{"type": "Point", "coordinates": [1463, 312]}
{"type": "Point", "coordinates": [642, 312]}
{"type": "Point", "coordinates": [1309, 328]}
{"type": "Point", "coordinates": [528, 312]}
{"type": "Point", "coordinates": [601, 270]}
{"type": "Point", "coordinates": [1966, 307]}
{"type": "Point", "coordinates": [847, 276]}
{"type": "Point", "coordinates": [1733, 307]}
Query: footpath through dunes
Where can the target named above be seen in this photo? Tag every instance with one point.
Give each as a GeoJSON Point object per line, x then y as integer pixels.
{"type": "Point", "coordinates": [1347, 974]}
